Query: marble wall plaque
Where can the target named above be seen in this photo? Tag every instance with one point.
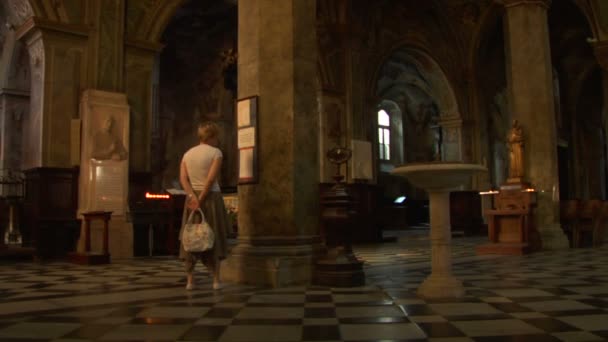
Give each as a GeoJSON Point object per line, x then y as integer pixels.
{"type": "Point", "coordinates": [108, 186]}
{"type": "Point", "coordinates": [104, 162]}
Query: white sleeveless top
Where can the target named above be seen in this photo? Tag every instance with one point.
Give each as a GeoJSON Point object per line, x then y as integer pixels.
{"type": "Point", "coordinates": [198, 162]}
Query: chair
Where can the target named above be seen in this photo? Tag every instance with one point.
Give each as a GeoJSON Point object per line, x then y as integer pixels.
{"type": "Point", "coordinates": [588, 216]}
{"type": "Point", "coordinates": [599, 228]}
{"type": "Point", "coordinates": [568, 214]}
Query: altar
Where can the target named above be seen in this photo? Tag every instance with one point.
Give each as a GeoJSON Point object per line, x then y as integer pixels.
{"type": "Point", "coordinates": [511, 227]}
{"type": "Point", "coordinates": [510, 217]}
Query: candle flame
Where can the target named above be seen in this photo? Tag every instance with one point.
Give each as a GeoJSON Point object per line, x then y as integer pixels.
{"type": "Point", "coordinates": [157, 196]}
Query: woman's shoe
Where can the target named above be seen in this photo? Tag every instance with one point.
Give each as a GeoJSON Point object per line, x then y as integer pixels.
{"type": "Point", "coordinates": [190, 286]}
{"type": "Point", "coordinates": [217, 285]}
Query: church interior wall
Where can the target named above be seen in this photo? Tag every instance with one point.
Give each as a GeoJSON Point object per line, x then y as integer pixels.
{"type": "Point", "coordinates": [355, 39]}
{"type": "Point", "coordinates": [195, 85]}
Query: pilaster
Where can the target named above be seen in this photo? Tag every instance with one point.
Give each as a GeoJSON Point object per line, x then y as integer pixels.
{"type": "Point", "coordinates": [140, 59]}
{"type": "Point", "coordinates": [530, 84]}
{"type": "Point", "coordinates": [58, 62]}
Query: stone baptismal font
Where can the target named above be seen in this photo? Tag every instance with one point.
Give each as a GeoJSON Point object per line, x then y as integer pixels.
{"type": "Point", "coordinates": [438, 179]}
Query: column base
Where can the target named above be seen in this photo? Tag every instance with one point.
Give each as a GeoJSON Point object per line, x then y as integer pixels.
{"type": "Point", "coordinates": [553, 237]}
{"type": "Point", "coordinates": [344, 270]}
{"type": "Point", "coordinates": [271, 262]}
{"type": "Point", "coordinates": [436, 287]}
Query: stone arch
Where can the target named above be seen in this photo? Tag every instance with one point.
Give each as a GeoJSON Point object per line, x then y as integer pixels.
{"type": "Point", "coordinates": [408, 68]}
{"type": "Point", "coordinates": [591, 14]}
{"type": "Point", "coordinates": [580, 132]}
{"type": "Point", "coordinates": [155, 19]}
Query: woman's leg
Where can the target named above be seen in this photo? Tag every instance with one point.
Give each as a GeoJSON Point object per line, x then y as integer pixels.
{"type": "Point", "coordinates": [212, 263]}
{"type": "Point", "coordinates": [189, 263]}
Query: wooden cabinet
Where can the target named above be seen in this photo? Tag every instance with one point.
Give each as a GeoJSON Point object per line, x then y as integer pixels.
{"type": "Point", "coordinates": [50, 224]}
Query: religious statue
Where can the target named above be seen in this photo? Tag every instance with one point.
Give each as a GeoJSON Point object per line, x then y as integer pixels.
{"type": "Point", "coordinates": [106, 144]}
{"type": "Point", "coordinates": [515, 140]}
{"type": "Point", "coordinates": [229, 69]}
{"type": "Point", "coordinates": [421, 134]}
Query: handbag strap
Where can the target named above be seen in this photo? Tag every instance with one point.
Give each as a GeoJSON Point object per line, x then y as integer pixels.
{"type": "Point", "coordinates": [189, 220]}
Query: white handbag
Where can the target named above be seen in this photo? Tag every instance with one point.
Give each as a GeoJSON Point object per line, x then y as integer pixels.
{"type": "Point", "coordinates": [197, 237]}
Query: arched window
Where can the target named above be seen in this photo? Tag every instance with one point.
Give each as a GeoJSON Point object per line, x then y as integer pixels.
{"type": "Point", "coordinates": [384, 135]}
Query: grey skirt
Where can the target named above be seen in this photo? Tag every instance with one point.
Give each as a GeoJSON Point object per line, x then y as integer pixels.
{"type": "Point", "coordinates": [217, 217]}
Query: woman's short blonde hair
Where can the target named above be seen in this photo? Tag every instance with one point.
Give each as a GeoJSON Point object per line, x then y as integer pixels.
{"type": "Point", "coordinates": [207, 131]}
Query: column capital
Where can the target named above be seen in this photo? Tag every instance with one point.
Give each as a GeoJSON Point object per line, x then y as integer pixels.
{"type": "Point", "coordinates": [600, 49]}
{"type": "Point", "coordinates": [512, 3]}
{"type": "Point", "coordinates": [42, 25]}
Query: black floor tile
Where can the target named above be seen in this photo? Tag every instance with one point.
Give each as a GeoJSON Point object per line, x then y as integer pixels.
{"type": "Point", "coordinates": [222, 313]}
{"type": "Point", "coordinates": [485, 317]}
{"type": "Point", "coordinates": [60, 319]}
{"type": "Point", "coordinates": [518, 338]}
{"type": "Point", "coordinates": [559, 291]}
{"type": "Point", "coordinates": [235, 298]}
{"type": "Point", "coordinates": [602, 333]}
{"type": "Point", "coordinates": [126, 311]}
{"type": "Point", "coordinates": [92, 331]}
{"type": "Point", "coordinates": [550, 325]}
{"type": "Point", "coordinates": [161, 320]}
{"type": "Point", "coordinates": [534, 299]}
{"type": "Point", "coordinates": [204, 333]}
{"type": "Point", "coordinates": [372, 303]}
{"type": "Point", "coordinates": [318, 298]}
{"type": "Point", "coordinates": [321, 333]}
{"type": "Point", "coordinates": [510, 307]}
{"type": "Point", "coordinates": [598, 303]}
{"type": "Point", "coordinates": [575, 312]}
{"type": "Point", "coordinates": [417, 310]}
{"type": "Point", "coordinates": [373, 320]}
{"type": "Point", "coordinates": [274, 305]}
{"type": "Point", "coordinates": [267, 321]}
{"type": "Point", "coordinates": [440, 329]}
{"type": "Point", "coordinates": [319, 312]}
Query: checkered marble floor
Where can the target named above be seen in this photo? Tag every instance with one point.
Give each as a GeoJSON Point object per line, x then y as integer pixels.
{"type": "Point", "coordinates": [547, 296]}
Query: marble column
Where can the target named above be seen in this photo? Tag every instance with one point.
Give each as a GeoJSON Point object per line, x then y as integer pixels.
{"type": "Point", "coordinates": [530, 85]}
{"type": "Point", "coordinates": [278, 216]}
